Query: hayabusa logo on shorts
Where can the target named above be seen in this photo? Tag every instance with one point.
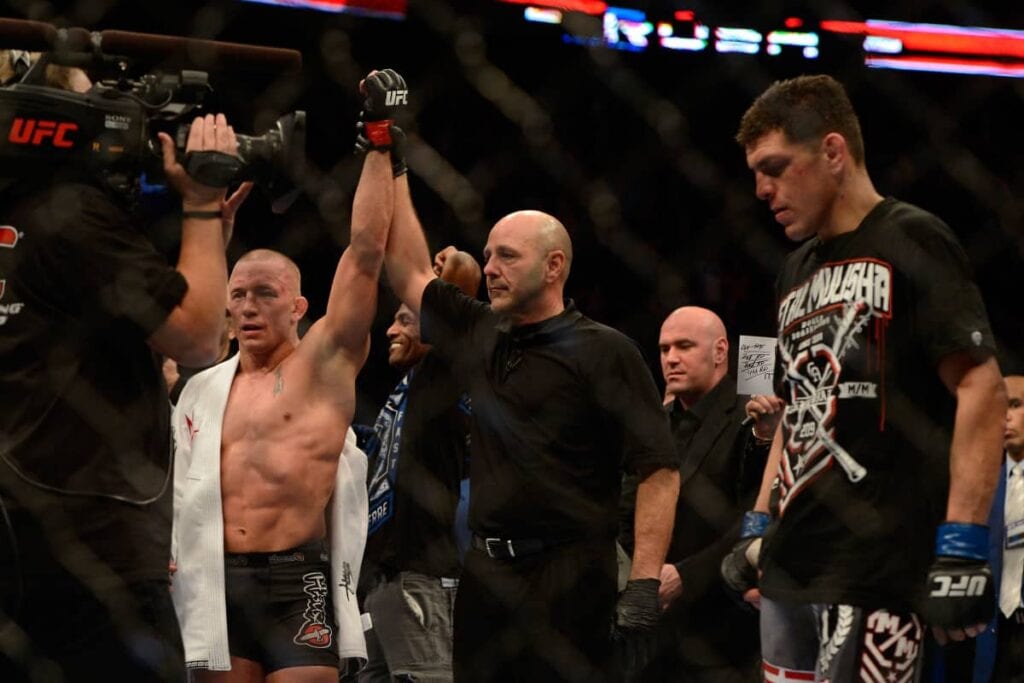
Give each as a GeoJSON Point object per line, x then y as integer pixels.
{"type": "Point", "coordinates": [316, 630]}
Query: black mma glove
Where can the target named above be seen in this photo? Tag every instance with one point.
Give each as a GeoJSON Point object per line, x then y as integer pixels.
{"type": "Point", "coordinates": [384, 95]}
{"type": "Point", "coordinates": [739, 566]}
{"type": "Point", "coordinates": [397, 147]}
{"type": "Point", "coordinates": [637, 608]}
{"type": "Point", "coordinates": [960, 589]}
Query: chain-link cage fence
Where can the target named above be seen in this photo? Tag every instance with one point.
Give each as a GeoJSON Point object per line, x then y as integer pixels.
{"type": "Point", "coordinates": [632, 149]}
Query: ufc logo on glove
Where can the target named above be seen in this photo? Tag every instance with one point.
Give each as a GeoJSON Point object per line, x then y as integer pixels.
{"type": "Point", "coordinates": [396, 97]}
{"type": "Point", "coordinates": [964, 586]}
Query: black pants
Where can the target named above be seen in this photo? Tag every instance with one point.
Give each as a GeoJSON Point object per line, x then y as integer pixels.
{"type": "Point", "coordinates": [56, 626]}
{"type": "Point", "coordinates": [544, 617]}
{"type": "Point", "coordinates": [668, 654]}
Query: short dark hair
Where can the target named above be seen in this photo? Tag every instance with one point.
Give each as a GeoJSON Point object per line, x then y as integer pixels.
{"type": "Point", "coordinates": [805, 109]}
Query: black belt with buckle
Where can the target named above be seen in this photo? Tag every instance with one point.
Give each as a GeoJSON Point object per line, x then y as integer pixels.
{"type": "Point", "coordinates": [317, 550]}
{"type": "Point", "coordinates": [507, 548]}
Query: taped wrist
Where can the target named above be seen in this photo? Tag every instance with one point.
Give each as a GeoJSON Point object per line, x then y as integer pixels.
{"type": "Point", "coordinates": [379, 133]}
{"type": "Point", "coordinates": [369, 137]}
{"type": "Point", "coordinates": [754, 524]}
{"type": "Point", "coordinates": [957, 539]}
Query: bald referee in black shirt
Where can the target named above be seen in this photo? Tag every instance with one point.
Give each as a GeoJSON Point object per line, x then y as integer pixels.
{"type": "Point", "coordinates": [560, 404]}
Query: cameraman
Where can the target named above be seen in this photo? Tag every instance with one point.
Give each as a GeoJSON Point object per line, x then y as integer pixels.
{"type": "Point", "coordinates": [86, 306]}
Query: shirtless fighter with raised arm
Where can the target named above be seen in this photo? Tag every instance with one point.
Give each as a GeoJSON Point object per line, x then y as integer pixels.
{"type": "Point", "coordinates": [259, 439]}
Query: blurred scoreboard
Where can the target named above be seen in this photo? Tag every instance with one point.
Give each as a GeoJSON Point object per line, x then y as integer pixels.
{"type": "Point", "coordinates": [885, 44]}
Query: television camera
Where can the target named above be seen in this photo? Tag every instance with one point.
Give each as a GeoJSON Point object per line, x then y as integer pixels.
{"type": "Point", "coordinates": [109, 131]}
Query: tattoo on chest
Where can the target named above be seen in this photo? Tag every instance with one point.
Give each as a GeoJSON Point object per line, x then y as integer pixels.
{"type": "Point", "coordinates": [278, 381]}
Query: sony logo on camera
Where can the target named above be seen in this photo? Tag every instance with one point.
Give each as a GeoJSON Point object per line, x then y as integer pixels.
{"type": "Point", "coordinates": [117, 122]}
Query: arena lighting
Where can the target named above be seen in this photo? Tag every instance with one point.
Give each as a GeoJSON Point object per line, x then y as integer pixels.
{"type": "Point", "coordinates": [938, 38]}
{"type": "Point", "coordinates": [543, 16]}
{"type": "Point", "coordinates": [949, 66]}
{"type": "Point", "coordinates": [906, 46]}
{"type": "Point", "coordinates": [383, 9]}
{"type": "Point", "coordinates": [938, 48]}
{"type": "Point", "coordinates": [594, 7]}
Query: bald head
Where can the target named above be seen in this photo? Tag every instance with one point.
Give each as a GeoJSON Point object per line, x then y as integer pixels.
{"type": "Point", "coordinates": [289, 270]}
{"type": "Point", "coordinates": [542, 230]}
{"type": "Point", "coordinates": [526, 264]}
{"type": "Point", "coordinates": [694, 352]}
{"type": "Point", "coordinates": [701, 320]}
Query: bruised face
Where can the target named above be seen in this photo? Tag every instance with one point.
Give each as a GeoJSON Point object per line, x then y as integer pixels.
{"type": "Point", "coordinates": [795, 180]}
{"type": "Point", "coordinates": [404, 346]}
{"type": "Point", "coordinates": [264, 304]}
{"type": "Point", "coordinates": [514, 264]}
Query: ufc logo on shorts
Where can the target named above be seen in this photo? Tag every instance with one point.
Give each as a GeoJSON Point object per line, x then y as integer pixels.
{"type": "Point", "coordinates": [396, 97]}
{"type": "Point", "coordinates": [968, 586]}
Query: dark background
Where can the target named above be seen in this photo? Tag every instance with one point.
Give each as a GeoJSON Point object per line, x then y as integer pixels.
{"type": "Point", "coordinates": [632, 151]}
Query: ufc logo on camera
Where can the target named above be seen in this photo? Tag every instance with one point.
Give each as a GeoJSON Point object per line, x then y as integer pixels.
{"type": "Point", "coordinates": [36, 131]}
{"type": "Point", "coordinates": [964, 586]}
{"type": "Point", "coordinates": [393, 98]}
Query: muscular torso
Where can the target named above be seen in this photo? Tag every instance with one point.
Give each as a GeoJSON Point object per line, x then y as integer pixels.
{"type": "Point", "coordinates": [282, 436]}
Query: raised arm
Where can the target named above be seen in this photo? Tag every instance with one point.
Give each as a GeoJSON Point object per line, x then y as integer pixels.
{"type": "Point", "coordinates": [191, 334]}
{"type": "Point", "coordinates": [407, 258]}
{"type": "Point", "coordinates": [352, 304]}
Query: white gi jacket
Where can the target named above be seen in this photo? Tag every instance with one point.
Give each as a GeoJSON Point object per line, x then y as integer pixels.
{"type": "Point", "coordinates": [197, 541]}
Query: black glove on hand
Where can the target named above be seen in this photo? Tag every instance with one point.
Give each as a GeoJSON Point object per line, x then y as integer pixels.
{"type": "Point", "coordinates": [385, 94]}
{"type": "Point", "coordinates": [960, 589]}
{"type": "Point", "coordinates": [637, 609]}
{"type": "Point", "coordinates": [397, 147]}
{"type": "Point", "coordinates": [739, 571]}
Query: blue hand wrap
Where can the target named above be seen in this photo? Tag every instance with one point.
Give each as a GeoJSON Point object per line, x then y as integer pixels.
{"type": "Point", "coordinates": [754, 524]}
{"type": "Point", "coordinates": [955, 539]}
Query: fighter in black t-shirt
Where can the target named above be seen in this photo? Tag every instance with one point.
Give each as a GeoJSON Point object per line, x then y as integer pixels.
{"type": "Point", "coordinates": [560, 404]}
{"type": "Point", "coordinates": [86, 303]}
{"type": "Point", "coordinates": [892, 430]}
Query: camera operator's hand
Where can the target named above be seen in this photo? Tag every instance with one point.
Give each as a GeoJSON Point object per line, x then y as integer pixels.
{"type": "Point", "coordinates": [207, 134]}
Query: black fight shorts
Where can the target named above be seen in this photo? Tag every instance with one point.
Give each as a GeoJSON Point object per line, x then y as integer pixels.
{"type": "Point", "coordinates": [279, 607]}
